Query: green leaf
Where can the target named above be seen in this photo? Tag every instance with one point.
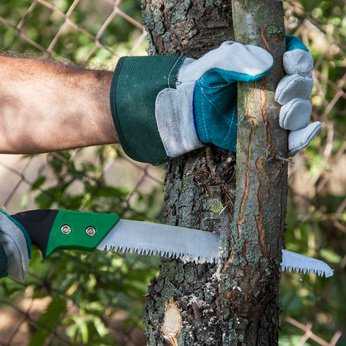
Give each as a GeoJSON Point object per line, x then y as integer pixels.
{"type": "Point", "coordinates": [38, 182]}
{"type": "Point", "coordinates": [330, 256]}
{"type": "Point", "coordinates": [48, 321]}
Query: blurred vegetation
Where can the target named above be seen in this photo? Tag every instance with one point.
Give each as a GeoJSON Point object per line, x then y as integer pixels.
{"type": "Point", "coordinates": [316, 222]}
{"type": "Point", "coordinates": [88, 294]}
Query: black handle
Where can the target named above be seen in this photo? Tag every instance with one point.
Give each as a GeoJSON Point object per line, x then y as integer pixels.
{"type": "Point", "coordinates": [38, 224]}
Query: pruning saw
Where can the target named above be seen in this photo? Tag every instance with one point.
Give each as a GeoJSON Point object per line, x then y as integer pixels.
{"type": "Point", "coordinates": [53, 230]}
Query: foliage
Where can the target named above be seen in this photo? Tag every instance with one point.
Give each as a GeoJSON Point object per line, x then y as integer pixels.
{"type": "Point", "coordinates": [87, 292]}
{"type": "Point", "coordinates": [317, 215]}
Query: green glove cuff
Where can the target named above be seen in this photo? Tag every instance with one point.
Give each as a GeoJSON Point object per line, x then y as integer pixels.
{"type": "Point", "coordinates": [135, 85]}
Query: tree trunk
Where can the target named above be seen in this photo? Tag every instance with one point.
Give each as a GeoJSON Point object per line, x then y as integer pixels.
{"type": "Point", "coordinates": [252, 249]}
{"type": "Point", "coordinates": [185, 305]}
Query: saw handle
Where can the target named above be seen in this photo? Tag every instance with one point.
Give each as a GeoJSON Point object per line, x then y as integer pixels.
{"type": "Point", "coordinates": [51, 230]}
{"type": "Point", "coordinates": [38, 225]}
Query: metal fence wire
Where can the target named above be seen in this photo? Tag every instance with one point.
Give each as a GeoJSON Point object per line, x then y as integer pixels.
{"type": "Point", "coordinates": [96, 34]}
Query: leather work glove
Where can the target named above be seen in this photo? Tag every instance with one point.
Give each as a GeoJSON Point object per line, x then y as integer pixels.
{"type": "Point", "coordinates": [165, 106]}
{"type": "Point", "coordinates": [15, 248]}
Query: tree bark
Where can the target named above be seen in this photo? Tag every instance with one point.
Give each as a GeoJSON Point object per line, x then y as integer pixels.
{"type": "Point", "coordinates": [252, 249]}
{"type": "Point", "coordinates": [188, 304]}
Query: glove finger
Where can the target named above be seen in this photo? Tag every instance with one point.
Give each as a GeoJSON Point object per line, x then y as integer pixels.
{"type": "Point", "coordinates": [243, 62]}
{"type": "Point", "coordinates": [300, 139]}
{"type": "Point", "coordinates": [298, 61]}
{"type": "Point", "coordinates": [293, 86]}
{"type": "Point", "coordinates": [295, 114]}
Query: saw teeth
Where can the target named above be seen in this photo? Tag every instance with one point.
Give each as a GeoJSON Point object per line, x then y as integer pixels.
{"type": "Point", "coordinates": [292, 262]}
{"type": "Point", "coordinates": [304, 271]}
{"type": "Point", "coordinates": [170, 254]}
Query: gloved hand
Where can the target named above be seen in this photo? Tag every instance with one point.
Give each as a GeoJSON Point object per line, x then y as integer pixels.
{"type": "Point", "coordinates": [199, 105]}
{"type": "Point", "coordinates": [293, 93]}
{"type": "Point", "coordinates": [15, 248]}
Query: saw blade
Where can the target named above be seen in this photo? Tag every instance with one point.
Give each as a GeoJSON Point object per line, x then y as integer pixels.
{"type": "Point", "coordinates": [189, 245]}
{"type": "Point", "coordinates": [146, 238]}
{"type": "Point", "coordinates": [292, 261]}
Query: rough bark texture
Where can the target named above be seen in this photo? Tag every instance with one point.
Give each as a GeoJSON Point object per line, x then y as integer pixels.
{"type": "Point", "coordinates": [250, 275]}
{"type": "Point", "coordinates": [184, 305]}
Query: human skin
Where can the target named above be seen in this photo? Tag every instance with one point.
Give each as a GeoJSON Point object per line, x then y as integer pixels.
{"type": "Point", "coordinates": [46, 106]}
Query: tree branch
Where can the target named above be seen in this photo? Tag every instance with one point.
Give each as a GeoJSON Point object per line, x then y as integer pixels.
{"type": "Point", "coordinates": [252, 248]}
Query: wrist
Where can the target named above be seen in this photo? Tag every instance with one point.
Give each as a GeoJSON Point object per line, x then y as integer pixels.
{"type": "Point", "coordinates": [98, 85]}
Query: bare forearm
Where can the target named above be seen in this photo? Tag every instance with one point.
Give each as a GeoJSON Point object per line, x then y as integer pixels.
{"type": "Point", "coordinates": [47, 107]}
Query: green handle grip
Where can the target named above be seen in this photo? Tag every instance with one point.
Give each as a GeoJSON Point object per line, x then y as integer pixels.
{"type": "Point", "coordinates": [51, 230]}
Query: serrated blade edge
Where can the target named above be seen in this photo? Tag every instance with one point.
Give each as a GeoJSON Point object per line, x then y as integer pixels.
{"type": "Point", "coordinates": [146, 238]}
{"type": "Point", "coordinates": [189, 245]}
{"type": "Point", "coordinates": [292, 261]}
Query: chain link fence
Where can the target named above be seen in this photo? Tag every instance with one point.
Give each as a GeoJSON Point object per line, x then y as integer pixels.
{"type": "Point", "coordinates": [96, 34]}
